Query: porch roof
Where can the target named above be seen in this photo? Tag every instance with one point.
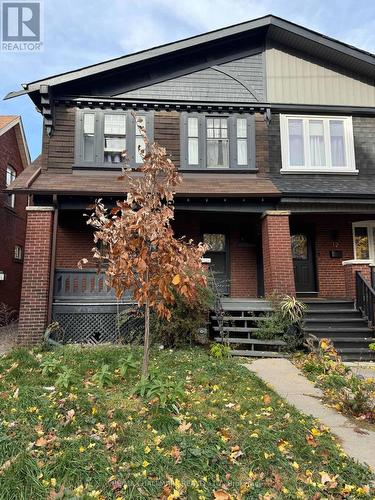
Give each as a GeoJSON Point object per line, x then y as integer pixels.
{"type": "Point", "coordinates": [35, 180]}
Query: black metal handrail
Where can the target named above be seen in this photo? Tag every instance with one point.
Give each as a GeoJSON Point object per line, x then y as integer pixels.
{"type": "Point", "coordinates": [365, 298]}
{"type": "Point", "coordinates": [218, 307]}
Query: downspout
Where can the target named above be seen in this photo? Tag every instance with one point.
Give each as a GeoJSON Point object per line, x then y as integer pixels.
{"type": "Point", "coordinates": [53, 261]}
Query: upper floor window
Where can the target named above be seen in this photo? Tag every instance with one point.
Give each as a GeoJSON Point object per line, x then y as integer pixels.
{"type": "Point", "coordinates": [10, 177]}
{"type": "Point", "coordinates": [103, 135]}
{"type": "Point", "coordinates": [18, 253]}
{"type": "Point", "coordinates": [317, 144]}
{"type": "Point", "coordinates": [217, 142]}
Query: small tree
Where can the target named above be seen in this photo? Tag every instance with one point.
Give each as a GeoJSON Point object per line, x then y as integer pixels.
{"type": "Point", "coordinates": [138, 246]}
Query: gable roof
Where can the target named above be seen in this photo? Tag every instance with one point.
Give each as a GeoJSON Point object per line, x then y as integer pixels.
{"type": "Point", "coordinates": [7, 122]}
{"type": "Point", "coordinates": [272, 26]}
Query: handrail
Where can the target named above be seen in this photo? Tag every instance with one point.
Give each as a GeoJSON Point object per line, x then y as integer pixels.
{"type": "Point", "coordinates": [218, 307]}
{"type": "Point", "coordinates": [365, 298]}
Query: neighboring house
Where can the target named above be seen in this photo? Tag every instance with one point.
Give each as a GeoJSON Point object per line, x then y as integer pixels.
{"type": "Point", "coordinates": [14, 158]}
{"type": "Point", "coordinates": [273, 128]}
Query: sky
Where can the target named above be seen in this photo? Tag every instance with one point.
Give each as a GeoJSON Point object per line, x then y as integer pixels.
{"type": "Point", "coordinates": [82, 32]}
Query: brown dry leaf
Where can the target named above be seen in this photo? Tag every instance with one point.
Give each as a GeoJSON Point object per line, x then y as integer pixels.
{"type": "Point", "coordinates": [311, 441]}
{"type": "Point", "coordinates": [166, 491]}
{"type": "Point", "coordinates": [53, 495]}
{"type": "Point", "coordinates": [221, 495]}
{"type": "Point", "coordinates": [327, 480]}
{"type": "Point", "coordinates": [184, 426]}
{"type": "Point", "coordinates": [225, 434]}
{"type": "Point", "coordinates": [176, 454]}
{"type": "Point", "coordinates": [266, 399]}
{"type": "Point", "coordinates": [41, 442]}
{"type": "Point", "coordinates": [69, 417]}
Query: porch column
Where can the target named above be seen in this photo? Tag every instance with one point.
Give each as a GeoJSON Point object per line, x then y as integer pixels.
{"type": "Point", "coordinates": [36, 273]}
{"type": "Point", "coordinates": [277, 253]}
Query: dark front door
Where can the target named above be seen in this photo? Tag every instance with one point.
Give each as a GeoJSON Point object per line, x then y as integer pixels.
{"type": "Point", "coordinates": [218, 254]}
{"type": "Point", "coordinates": [303, 262]}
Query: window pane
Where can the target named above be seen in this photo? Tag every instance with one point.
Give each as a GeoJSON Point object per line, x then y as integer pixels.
{"type": "Point", "coordinates": [217, 142]}
{"type": "Point", "coordinates": [317, 149]}
{"type": "Point", "coordinates": [216, 242]}
{"type": "Point", "coordinates": [299, 246]}
{"type": "Point", "coordinates": [241, 127]}
{"type": "Point", "coordinates": [139, 143]}
{"type": "Point", "coordinates": [361, 243]}
{"type": "Point", "coordinates": [337, 134]}
{"type": "Point", "coordinates": [115, 124]}
{"type": "Point", "coordinates": [89, 123]}
{"type": "Point", "coordinates": [242, 151]}
{"type": "Point", "coordinates": [296, 149]}
{"type": "Point", "coordinates": [88, 147]}
{"type": "Point", "coordinates": [193, 157]}
{"type": "Point", "coordinates": [193, 127]}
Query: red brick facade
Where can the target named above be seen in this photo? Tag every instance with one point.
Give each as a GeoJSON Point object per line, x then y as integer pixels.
{"type": "Point", "coordinates": [13, 219]}
{"type": "Point", "coordinates": [277, 254]}
{"type": "Point", "coordinates": [350, 270]}
{"type": "Point", "coordinates": [36, 273]}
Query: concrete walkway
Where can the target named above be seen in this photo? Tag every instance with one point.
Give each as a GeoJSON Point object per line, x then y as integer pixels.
{"type": "Point", "coordinates": [282, 376]}
{"type": "Point", "coordinates": [8, 336]}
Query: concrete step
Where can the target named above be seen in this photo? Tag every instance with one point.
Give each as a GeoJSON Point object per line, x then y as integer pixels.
{"type": "Point", "coordinates": [320, 305]}
{"type": "Point", "coordinates": [242, 318]}
{"type": "Point", "coordinates": [258, 354]}
{"type": "Point", "coordinates": [333, 313]}
{"type": "Point", "coordinates": [237, 340]}
{"type": "Point", "coordinates": [356, 354]}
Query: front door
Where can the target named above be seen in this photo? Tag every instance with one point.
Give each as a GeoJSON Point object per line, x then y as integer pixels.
{"type": "Point", "coordinates": [303, 262]}
{"type": "Point", "coordinates": [218, 253]}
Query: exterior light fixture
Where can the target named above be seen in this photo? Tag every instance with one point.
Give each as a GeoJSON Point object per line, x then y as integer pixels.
{"type": "Point", "coordinates": [2, 276]}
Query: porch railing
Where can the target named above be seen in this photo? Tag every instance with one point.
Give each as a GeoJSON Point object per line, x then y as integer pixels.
{"type": "Point", "coordinates": [83, 285]}
{"type": "Point", "coordinates": [365, 298]}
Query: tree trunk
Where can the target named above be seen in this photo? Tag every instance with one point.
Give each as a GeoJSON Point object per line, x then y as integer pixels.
{"type": "Point", "coordinates": [146, 348]}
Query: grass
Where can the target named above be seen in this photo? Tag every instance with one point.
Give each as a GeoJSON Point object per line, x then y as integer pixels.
{"type": "Point", "coordinates": [225, 436]}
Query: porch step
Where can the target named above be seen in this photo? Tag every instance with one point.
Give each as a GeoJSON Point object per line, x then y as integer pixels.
{"type": "Point", "coordinates": [232, 340]}
{"type": "Point", "coordinates": [259, 354]}
{"type": "Point", "coordinates": [239, 329]}
{"type": "Point", "coordinates": [339, 321]}
{"type": "Point", "coordinates": [242, 318]}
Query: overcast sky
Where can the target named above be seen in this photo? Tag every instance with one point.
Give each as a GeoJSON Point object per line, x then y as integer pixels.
{"type": "Point", "coordinates": [82, 32]}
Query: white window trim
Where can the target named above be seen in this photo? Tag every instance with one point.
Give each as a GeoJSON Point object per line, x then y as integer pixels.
{"type": "Point", "coordinates": [350, 169]}
{"type": "Point", "coordinates": [370, 225]}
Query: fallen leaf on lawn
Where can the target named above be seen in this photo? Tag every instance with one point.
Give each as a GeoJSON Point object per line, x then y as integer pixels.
{"type": "Point", "coordinates": [16, 392]}
{"type": "Point", "coordinates": [166, 491]}
{"type": "Point", "coordinates": [311, 441]}
{"type": "Point", "coordinates": [41, 442]}
{"type": "Point", "coordinates": [176, 454]}
{"type": "Point", "coordinates": [69, 417]}
{"type": "Point", "coordinates": [53, 495]}
{"type": "Point", "coordinates": [221, 495]}
{"type": "Point", "coordinates": [184, 426]}
{"type": "Point", "coordinates": [327, 480]}
{"type": "Point", "coordinates": [230, 405]}
{"type": "Point", "coordinates": [225, 434]}
{"type": "Point", "coordinates": [266, 399]}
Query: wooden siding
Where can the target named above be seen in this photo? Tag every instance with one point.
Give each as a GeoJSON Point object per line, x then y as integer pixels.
{"type": "Point", "coordinates": [167, 133]}
{"type": "Point", "coordinates": [58, 150]}
{"type": "Point", "coordinates": [244, 84]}
{"type": "Point", "coordinates": [294, 77]}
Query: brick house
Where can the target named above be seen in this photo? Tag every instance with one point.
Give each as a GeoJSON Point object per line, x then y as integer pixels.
{"type": "Point", "coordinates": [14, 158]}
{"type": "Point", "coordinates": [272, 126]}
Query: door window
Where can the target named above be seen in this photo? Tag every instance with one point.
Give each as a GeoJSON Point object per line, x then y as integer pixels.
{"type": "Point", "coordinates": [299, 247]}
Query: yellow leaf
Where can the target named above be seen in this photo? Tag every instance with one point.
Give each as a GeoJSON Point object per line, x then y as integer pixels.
{"type": "Point", "coordinates": [176, 279]}
{"type": "Point", "coordinates": [41, 442]}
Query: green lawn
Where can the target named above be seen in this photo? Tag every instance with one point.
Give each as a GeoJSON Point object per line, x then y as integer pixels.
{"type": "Point", "coordinates": [227, 436]}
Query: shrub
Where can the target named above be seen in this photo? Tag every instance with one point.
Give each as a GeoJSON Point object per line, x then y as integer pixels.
{"type": "Point", "coordinates": [284, 323]}
{"type": "Point", "coordinates": [342, 388]}
{"type": "Point", "coordinates": [186, 320]}
{"type": "Point", "coordinates": [165, 394]}
{"type": "Point", "coordinates": [220, 351]}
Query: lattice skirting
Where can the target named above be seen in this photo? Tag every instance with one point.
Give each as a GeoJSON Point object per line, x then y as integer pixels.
{"type": "Point", "coordinates": [96, 324]}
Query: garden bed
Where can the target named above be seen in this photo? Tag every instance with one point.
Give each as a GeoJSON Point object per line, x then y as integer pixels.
{"type": "Point", "coordinates": [75, 423]}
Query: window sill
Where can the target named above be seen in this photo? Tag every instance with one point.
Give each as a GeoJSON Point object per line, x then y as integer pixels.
{"type": "Point", "coordinates": [356, 261]}
{"type": "Point", "coordinates": [229, 170]}
{"type": "Point", "coordinates": [327, 171]}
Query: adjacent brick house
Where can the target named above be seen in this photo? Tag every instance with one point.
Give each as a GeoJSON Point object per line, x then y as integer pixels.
{"type": "Point", "coordinates": [14, 158]}
{"type": "Point", "coordinates": [272, 126]}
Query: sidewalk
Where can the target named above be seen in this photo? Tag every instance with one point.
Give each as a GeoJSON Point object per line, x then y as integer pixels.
{"type": "Point", "coordinates": [282, 376]}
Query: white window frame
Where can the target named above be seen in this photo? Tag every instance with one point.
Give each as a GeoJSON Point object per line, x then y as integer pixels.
{"type": "Point", "coordinates": [11, 175]}
{"type": "Point", "coordinates": [369, 225]}
{"type": "Point", "coordinates": [18, 253]}
{"type": "Point", "coordinates": [350, 167]}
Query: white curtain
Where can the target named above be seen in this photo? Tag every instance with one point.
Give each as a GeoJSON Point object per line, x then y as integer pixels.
{"type": "Point", "coordinates": [217, 153]}
{"type": "Point", "coordinates": [193, 151]}
{"type": "Point", "coordinates": [296, 149]}
{"type": "Point", "coordinates": [317, 148]}
{"type": "Point", "coordinates": [337, 143]}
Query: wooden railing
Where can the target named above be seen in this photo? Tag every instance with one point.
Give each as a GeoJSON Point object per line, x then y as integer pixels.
{"type": "Point", "coordinates": [365, 298]}
{"type": "Point", "coordinates": [85, 285]}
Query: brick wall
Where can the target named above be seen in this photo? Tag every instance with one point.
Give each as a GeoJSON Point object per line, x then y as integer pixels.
{"type": "Point", "coordinates": [277, 254]}
{"type": "Point", "coordinates": [350, 271]}
{"type": "Point", "coordinates": [243, 267]}
{"type": "Point", "coordinates": [35, 282]}
{"type": "Point", "coordinates": [74, 241]}
{"type": "Point", "coordinates": [14, 220]}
